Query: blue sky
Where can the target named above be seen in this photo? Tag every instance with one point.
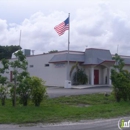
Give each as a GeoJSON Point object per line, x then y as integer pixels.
{"type": "Point", "coordinates": [93, 23]}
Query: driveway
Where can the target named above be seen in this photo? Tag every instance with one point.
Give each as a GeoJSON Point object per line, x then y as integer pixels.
{"type": "Point", "coordinates": [58, 92]}
{"type": "Point", "coordinates": [98, 124]}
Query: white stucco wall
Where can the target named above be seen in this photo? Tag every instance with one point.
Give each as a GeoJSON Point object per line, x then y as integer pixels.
{"type": "Point", "coordinates": [105, 76]}
{"type": "Point", "coordinates": [53, 75]}
{"type": "Point", "coordinates": [87, 73]}
{"type": "Point", "coordinates": [127, 67]}
{"type": "Point", "coordinates": [56, 74]}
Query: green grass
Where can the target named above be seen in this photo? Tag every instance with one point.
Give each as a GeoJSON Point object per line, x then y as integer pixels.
{"type": "Point", "coordinates": [65, 109]}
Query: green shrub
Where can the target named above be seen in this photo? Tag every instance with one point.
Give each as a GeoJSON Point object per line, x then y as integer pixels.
{"type": "Point", "coordinates": [24, 90]}
{"type": "Point", "coordinates": [3, 94]}
{"type": "Point", "coordinates": [120, 80]}
{"type": "Point", "coordinates": [38, 90]}
{"type": "Point", "coordinates": [80, 77]}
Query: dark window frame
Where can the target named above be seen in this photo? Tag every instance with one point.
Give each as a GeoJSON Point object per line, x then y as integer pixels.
{"type": "Point", "coordinates": [31, 66]}
{"type": "Point", "coordinates": [47, 65]}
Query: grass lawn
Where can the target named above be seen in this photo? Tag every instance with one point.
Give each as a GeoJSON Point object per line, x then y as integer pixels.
{"type": "Point", "coordinates": [72, 108]}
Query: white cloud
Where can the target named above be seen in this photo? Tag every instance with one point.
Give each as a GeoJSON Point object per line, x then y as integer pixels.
{"type": "Point", "coordinates": [98, 27]}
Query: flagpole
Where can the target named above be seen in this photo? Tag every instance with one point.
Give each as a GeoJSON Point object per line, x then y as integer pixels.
{"type": "Point", "coordinates": [68, 48]}
{"type": "Point", "coordinates": [20, 38]}
{"type": "Point", "coordinates": [117, 48]}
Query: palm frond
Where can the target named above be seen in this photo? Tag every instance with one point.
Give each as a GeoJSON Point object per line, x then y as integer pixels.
{"type": "Point", "coordinates": [75, 66]}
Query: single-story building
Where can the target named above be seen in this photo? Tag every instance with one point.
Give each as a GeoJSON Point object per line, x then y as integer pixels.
{"type": "Point", "coordinates": [52, 67]}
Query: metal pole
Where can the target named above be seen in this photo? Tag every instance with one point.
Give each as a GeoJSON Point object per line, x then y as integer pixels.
{"type": "Point", "coordinates": [68, 48]}
{"type": "Point", "coordinates": [117, 48]}
{"type": "Point", "coordinates": [20, 38]}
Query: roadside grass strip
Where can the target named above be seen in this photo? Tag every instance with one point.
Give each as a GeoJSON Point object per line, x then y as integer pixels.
{"type": "Point", "coordinates": [72, 108]}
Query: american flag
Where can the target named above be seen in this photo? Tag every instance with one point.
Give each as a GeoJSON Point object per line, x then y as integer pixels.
{"type": "Point", "coordinates": [62, 27]}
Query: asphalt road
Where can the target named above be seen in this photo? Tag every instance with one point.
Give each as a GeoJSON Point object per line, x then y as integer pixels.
{"type": "Point", "coordinates": [57, 92]}
{"type": "Point", "coordinates": [109, 124]}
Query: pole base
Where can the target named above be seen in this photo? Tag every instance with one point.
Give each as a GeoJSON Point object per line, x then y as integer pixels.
{"type": "Point", "coordinates": [67, 84]}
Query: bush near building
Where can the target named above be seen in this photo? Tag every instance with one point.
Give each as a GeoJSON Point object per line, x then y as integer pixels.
{"type": "Point", "coordinates": [120, 80]}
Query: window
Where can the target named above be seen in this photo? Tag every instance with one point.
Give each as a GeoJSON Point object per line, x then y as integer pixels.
{"type": "Point", "coordinates": [59, 65]}
{"type": "Point", "coordinates": [46, 65]}
{"type": "Point", "coordinates": [31, 66]}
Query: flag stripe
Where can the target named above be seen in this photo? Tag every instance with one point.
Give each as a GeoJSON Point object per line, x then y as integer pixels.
{"type": "Point", "coordinates": [62, 27]}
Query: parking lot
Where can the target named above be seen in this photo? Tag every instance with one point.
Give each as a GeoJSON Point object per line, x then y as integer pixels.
{"type": "Point", "coordinates": [57, 91]}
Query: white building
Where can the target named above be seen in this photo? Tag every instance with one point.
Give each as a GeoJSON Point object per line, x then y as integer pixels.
{"type": "Point", "coordinates": [52, 67]}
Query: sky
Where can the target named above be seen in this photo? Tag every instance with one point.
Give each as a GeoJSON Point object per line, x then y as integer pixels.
{"type": "Point", "coordinates": [101, 24]}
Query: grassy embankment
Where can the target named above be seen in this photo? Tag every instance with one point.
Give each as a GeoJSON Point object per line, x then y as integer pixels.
{"type": "Point", "coordinates": [71, 108]}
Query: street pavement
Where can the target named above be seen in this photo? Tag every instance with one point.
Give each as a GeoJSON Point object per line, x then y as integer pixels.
{"type": "Point", "coordinates": [57, 92]}
{"type": "Point", "coordinates": [101, 124]}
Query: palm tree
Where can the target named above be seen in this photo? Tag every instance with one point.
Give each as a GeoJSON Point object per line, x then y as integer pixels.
{"type": "Point", "coordinates": [75, 66]}
{"type": "Point", "coordinates": [79, 76]}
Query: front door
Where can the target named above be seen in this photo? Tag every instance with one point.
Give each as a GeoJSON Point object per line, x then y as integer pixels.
{"type": "Point", "coordinates": [96, 76]}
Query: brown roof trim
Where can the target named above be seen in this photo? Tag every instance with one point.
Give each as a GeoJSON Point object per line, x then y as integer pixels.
{"type": "Point", "coordinates": [53, 53]}
{"type": "Point", "coordinates": [109, 61]}
{"type": "Point", "coordinates": [122, 56]}
{"type": "Point", "coordinates": [127, 64]}
{"type": "Point", "coordinates": [96, 49]}
{"type": "Point", "coordinates": [62, 51]}
{"type": "Point", "coordinates": [65, 61]}
{"type": "Point", "coordinates": [88, 64]}
{"type": "Point", "coordinates": [106, 61]}
{"type": "Point", "coordinates": [100, 63]}
{"type": "Point", "coordinates": [72, 51]}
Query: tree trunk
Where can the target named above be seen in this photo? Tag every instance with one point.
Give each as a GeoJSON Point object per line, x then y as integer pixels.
{"type": "Point", "coordinates": [37, 104]}
{"type": "Point", "coordinates": [14, 104]}
{"type": "Point", "coordinates": [3, 101]}
{"type": "Point", "coordinates": [25, 100]}
{"type": "Point", "coordinates": [13, 101]}
{"type": "Point", "coordinates": [14, 97]}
